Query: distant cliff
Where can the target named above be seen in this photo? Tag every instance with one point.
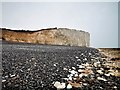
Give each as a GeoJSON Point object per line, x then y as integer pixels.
{"type": "Point", "coordinates": [54, 36]}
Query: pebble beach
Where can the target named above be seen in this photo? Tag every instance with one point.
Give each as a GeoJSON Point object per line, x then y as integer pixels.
{"type": "Point", "coordinates": [49, 67]}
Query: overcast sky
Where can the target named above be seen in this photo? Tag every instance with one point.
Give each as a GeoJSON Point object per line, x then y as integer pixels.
{"type": "Point", "coordinates": [100, 19]}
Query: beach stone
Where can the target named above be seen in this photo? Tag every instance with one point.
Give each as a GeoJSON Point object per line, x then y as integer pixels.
{"type": "Point", "coordinates": [36, 67]}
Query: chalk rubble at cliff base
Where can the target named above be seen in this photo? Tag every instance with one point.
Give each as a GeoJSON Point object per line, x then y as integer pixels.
{"type": "Point", "coordinates": [44, 67]}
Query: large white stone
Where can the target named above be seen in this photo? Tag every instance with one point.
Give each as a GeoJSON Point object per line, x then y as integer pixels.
{"type": "Point", "coordinates": [69, 86]}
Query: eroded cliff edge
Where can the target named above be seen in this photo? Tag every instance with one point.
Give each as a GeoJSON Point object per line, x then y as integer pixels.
{"type": "Point", "coordinates": [52, 36]}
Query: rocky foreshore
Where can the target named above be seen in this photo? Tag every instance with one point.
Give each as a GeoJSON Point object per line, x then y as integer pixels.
{"type": "Point", "coordinates": [46, 67]}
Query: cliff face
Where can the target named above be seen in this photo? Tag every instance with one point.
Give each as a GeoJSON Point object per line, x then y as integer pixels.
{"type": "Point", "coordinates": [54, 36]}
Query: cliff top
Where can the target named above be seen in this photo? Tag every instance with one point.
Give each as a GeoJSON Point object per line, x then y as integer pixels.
{"type": "Point", "coordinates": [25, 31]}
